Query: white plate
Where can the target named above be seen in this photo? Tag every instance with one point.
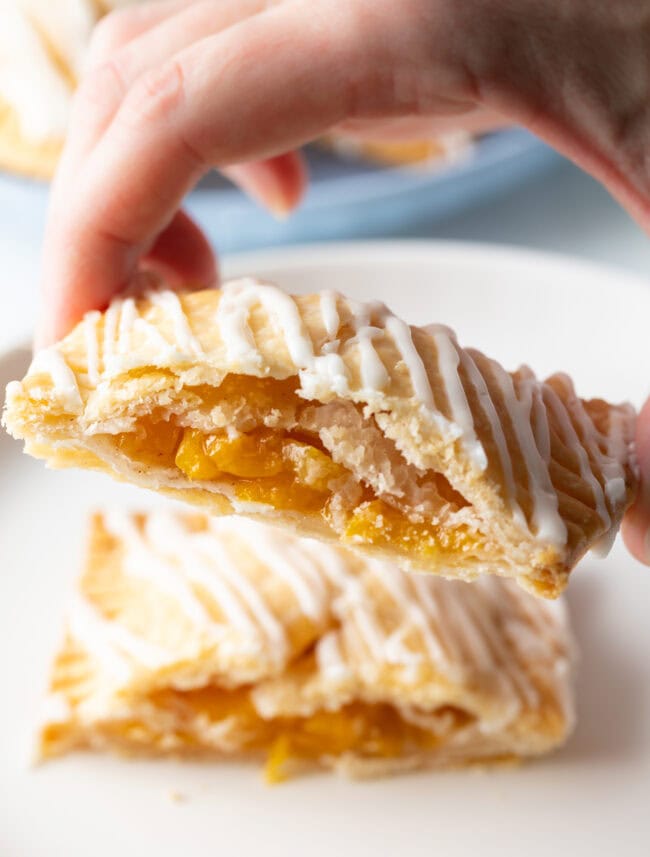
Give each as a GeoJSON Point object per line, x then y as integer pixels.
{"type": "Point", "coordinates": [588, 799]}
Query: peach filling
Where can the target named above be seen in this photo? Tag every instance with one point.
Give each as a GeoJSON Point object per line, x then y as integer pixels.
{"type": "Point", "coordinates": [289, 470]}
{"type": "Point", "coordinates": [377, 523]}
{"type": "Point", "coordinates": [370, 730]}
{"type": "Point", "coordinates": [268, 468]}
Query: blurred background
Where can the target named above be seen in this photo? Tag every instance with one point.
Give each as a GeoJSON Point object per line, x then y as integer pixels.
{"type": "Point", "coordinates": [504, 187]}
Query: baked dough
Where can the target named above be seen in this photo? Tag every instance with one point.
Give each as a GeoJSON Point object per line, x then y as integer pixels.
{"type": "Point", "coordinates": [36, 158]}
{"type": "Point", "coordinates": [42, 49]}
{"type": "Point", "coordinates": [208, 637]}
{"type": "Point", "coordinates": [422, 153]}
{"type": "Point", "coordinates": [35, 93]}
{"type": "Point", "coordinates": [339, 421]}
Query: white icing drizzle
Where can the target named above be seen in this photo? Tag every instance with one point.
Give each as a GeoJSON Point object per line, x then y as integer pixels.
{"type": "Point", "coordinates": [489, 409]}
{"type": "Point", "coordinates": [141, 561]}
{"type": "Point", "coordinates": [448, 365]}
{"type": "Point", "coordinates": [55, 708]}
{"type": "Point", "coordinates": [373, 372]}
{"type": "Point", "coordinates": [547, 521]}
{"type": "Point", "coordinates": [155, 339]}
{"type": "Point", "coordinates": [610, 462]}
{"type": "Point", "coordinates": [481, 636]}
{"type": "Point", "coordinates": [615, 487]}
{"type": "Point", "coordinates": [369, 321]}
{"type": "Point", "coordinates": [467, 380]}
{"type": "Point", "coordinates": [128, 322]}
{"type": "Point", "coordinates": [168, 301]}
{"type": "Point", "coordinates": [111, 643]}
{"type": "Point", "coordinates": [166, 534]}
{"type": "Point", "coordinates": [329, 659]}
{"type": "Point", "coordinates": [232, 318]}
{"type": "Point", "coordinates": [396, 586]}
{"type": "Point", "coordinates": [122, 320]}
{"type": "Point", "coordinates": [491, 640]}
{"type": "Point", "coordinates": [66, 24]}
{"type": "Point", "coordinates": [401, 334]}
{"type": "Point", "coordinates": [307, 589]}
{"type": "Point", "coordinates": [540, 423]}
{"type": "Point", "coordinates": [329, 312]}
{"type": "Point", "coordinates": [572, 440]}
{"type": "Point", "coordinates": [51, 362]}
{"type": "Point", "coordinates": [30, 81]}
{"type": "Point", "coordinates": [426, 595]}
{"type": "Point", "coordinates": [368, 630]}
{"type": "Point", "coordinates": [211, 550]}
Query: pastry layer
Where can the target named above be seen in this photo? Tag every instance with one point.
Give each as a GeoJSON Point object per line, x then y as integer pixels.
{"type": "Point", "coordinates": [43, 45]}
{"type": "Point", "coordinates": [340, 421]}
{"type": "Point", "coordinates": [36, 159]}
{"type": "Point", "coordinates": [211, 637]}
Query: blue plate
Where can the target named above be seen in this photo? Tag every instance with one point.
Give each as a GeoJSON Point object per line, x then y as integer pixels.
{"type": "Point", "coordinates": [346, 199]}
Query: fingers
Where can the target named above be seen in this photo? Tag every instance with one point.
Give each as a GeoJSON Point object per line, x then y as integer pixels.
{"type": "Point", "coordinates": [577, 74]}
{"type": "Point", "coordinates": [122, 25]}
{"type": "Point", "coordinates": [636, 526]}
{"type": "Point", "coordinates": [278, 183]}
{"type": "Point", "coordinates": [183, 255]}
{"type": "Point", "coordinates": [124, 45]}
{"type": "Point", "coordinates": [257, 89]}
{"type": "Point", "coordinates": [170, 128]}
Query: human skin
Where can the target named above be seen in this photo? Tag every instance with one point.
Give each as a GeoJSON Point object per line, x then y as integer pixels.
{"type": "Point", "coordinates": [179, 87]}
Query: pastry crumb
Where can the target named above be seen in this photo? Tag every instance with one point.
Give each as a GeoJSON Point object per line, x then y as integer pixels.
{"type": "Point", "coordinates": [177, 797]}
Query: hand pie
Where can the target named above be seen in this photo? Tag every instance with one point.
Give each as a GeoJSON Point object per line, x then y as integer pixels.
{"type": "Point", "coordinates": [427, 153]}
{"type": "Point", "coordinates": [339, 421]}
{"type": "Point", "coordinates": [34, 95]}
{"type": "Point", "coordinates": [209, 637]}
{"type": "Point", "coordinates": [42, 48]}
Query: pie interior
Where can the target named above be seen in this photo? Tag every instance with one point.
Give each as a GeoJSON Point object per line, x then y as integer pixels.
{"type": "Point", "coordinates": [205, 638]}
{"type": "Point", "coordinates": [327, 462]}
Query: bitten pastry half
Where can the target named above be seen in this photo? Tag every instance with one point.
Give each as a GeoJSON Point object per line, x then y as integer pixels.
{"type": "Point", "coordinates": [218, 637]}
{"type": "Point", "coordinates": [340, 421]}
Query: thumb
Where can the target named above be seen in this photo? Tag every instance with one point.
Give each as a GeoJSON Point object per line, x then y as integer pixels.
{"type": "Point", "coordinates": [636, 526]}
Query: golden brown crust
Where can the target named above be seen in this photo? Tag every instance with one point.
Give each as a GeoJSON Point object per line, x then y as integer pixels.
{"type": "Point", "coordinates": [19, 155]}
{"type": "Point", "coordinates": [208, 638]}
{"type": "Point", "coordinates": [538, 475]}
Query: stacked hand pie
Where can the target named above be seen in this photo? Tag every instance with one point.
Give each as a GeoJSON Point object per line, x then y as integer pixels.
{"type": "Point", "coordinates": [338, 421]}
{"type": "Point", "coordinates": [333, 420]}
{"type": "Point", "coordinates": [225, 637]}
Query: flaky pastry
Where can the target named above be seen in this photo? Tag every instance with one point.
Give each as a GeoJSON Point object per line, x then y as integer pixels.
{"type": "Point", "coordinates": [43, 46]}
{"type": "Point", "coordinates": [340, 421]}
{"type": "Point", "coordinates": [217, 637]}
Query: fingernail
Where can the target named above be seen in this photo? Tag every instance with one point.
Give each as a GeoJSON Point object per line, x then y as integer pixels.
{"type": "Point", "coordinates": [280, 209]}
{"type": "Point", "coordinates": [272, 199]}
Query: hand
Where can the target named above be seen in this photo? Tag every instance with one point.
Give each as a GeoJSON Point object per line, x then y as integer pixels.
{"type": "Point", "coordinates": [636, 526]}
{"type": "Point", "coordinates": [177, 88]}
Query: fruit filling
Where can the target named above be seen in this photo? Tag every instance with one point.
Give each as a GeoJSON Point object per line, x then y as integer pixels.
{"type": "Point", "coordinates": [370, 730]}
{"type": "Point", "coordinates": [278, 457]}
